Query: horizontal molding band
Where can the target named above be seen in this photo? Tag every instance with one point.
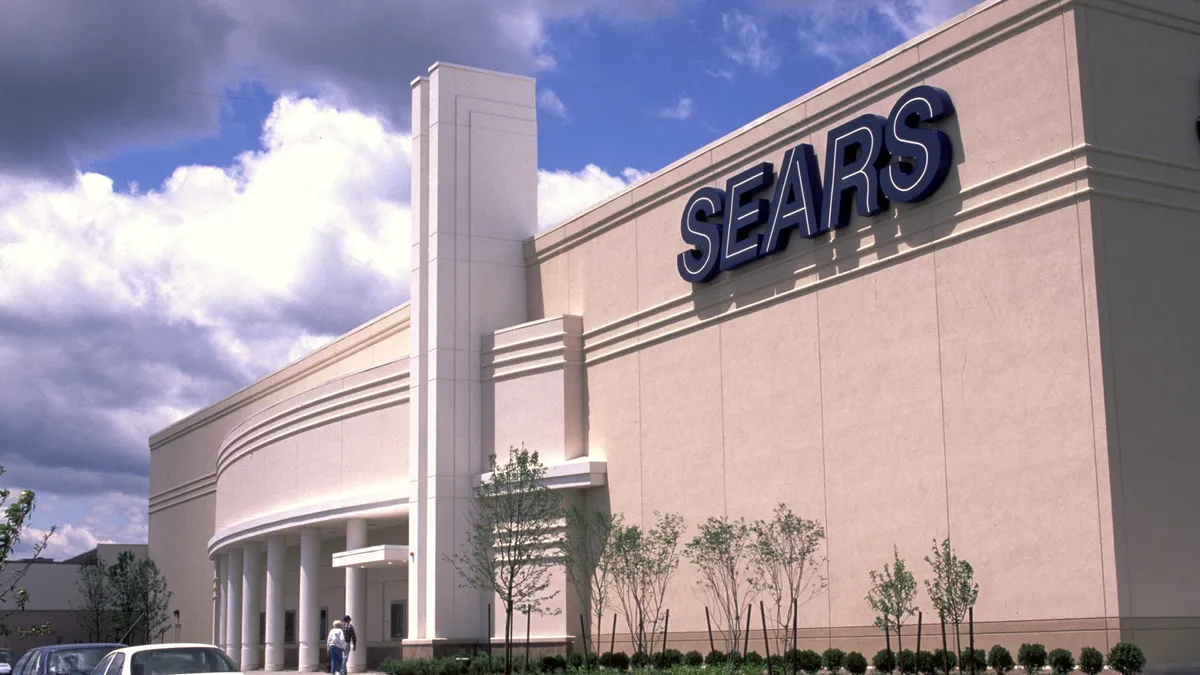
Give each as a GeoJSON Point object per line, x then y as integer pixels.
{"type": "Point", "coordinates": [635, 338]}
{"type": "Point", "coordinates": [398, 396]}
{"type": "Point", "coordinates": [280, 417]}
{"type": "Point", "coordinates": [355, 341]}
{"type": "Point", "coordinates": [376, 505]}
{"type": "Point", "coordinates": [177, 496]}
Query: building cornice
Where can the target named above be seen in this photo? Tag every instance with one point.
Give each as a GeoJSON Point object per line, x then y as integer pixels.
{"type": "Point", "coordinates": [362, 337]}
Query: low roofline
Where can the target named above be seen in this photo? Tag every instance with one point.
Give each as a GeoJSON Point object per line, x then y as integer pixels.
{"type": "Point", "coordinates": [782, 110]}
{"type": "Point", "coordinates": [357, 338]}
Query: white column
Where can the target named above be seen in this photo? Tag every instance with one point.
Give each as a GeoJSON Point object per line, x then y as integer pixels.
{"type": "Point", "coordinates": [233, 610]}
{"type": "Point", "coordinates": [276, 556]}
{"type": "Point", "coordinates": [252, 576]}
{"type": "Point", "coordinates": [475, 203]}
{"type": "Point", "coordinates": [310, 610]}
{"type": "Point", "coordinates": [222, 640]}
{"type": "Point", "coordinates": [356, 595]}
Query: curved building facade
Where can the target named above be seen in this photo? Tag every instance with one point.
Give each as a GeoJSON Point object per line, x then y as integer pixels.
{"type": "Point", "coordinates": [950, 294]}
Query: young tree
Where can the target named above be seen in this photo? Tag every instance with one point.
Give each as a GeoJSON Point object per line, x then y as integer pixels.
{"type": "Point", "coordinates": [13, 597]}
{"type": "Point", "coordinates": [588, 557]}
{"type": "Point", "coordinates": [892, 595]}
{"type": "Point", "coordinates": [138, 600]}
{"type": "Point", "coordinates": [953, 590]}
{"type": "Point", "coordinates": [643, 564]}
{"type": "Point", "coordinates": [94, 612]}
{"type": "Point", "coordinates": [723, 551]}
{"type": "Point", "coordinates": [513, 535]}
{"type": "Point", "coordinates": [787, 565]}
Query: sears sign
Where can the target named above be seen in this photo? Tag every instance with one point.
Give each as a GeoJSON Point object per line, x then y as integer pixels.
{"type": "Point", "coordinates": [869, 161]}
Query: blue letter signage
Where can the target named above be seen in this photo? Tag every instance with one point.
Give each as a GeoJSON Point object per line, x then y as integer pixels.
{"type": "Point", "coordinates": [869, 161]}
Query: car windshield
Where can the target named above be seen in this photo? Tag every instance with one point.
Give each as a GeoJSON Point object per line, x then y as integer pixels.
{"type": "Point", "coordinates": [176, 660]}
{"type": "Point", "coordinates": [74, 661]}
{"type": "Point", "coordinates": [6, 656]}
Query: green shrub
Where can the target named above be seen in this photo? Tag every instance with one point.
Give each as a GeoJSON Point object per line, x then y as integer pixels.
{"type": "Point", "coordinates": [481, 664]}
{"type": "Point", "coordinates": [693, 658]}
{"type": "Point", "coordinates": [776, 661]}
{"type": "Point", "coordinates": [941, 658]}
{"type": "Point", "coordinates": [715, 658]}
{"type": "Point", "coordinates": [809, 661]}
{"type": "Point", "coordinates": [1126, 658]}
{"type": "Point", "coordinates": [884, 661]}
{"type": "Point", "coordinates": [549, 663]}
{"type": "Point", "coordinates": [754, 659]}
{"type": "Point", "coordinates": [672, 657]}
{"type": "Point", "coordinates": [965, 660]}
{"type": "Point", "coordinates": [1091, 661]}
{"type": "Point", "coordinates": [856, 663]}
{"type": "Point", "coordinates": [390, 666]}
{"type": "Point", "coordinates": [575, 660]}
{"type": "Point", "coordinates": [733, 658]}
{"type": "Point", "coordinates": [639, 660]}
{"type": "Point", "coordinates": [518, 663]}
{"type": "Point", "coordinates": [619, 660]}
{"type": "Point", "coordinates": [1061, 661]}
{"type": "Point", "coordinates": [1000, 659]}
{"type": "Point", "coordinates": [833, 659]}
{"type": "Point", "coordinates": [925, 663]}
{"type": "Point", "coordinates": [1032, 657]}
{"type": "Point", "coordinates": [908, 661]}
{"type": "Point", "coordinates": [414, 667]}
{"type": "Point", "coordinates": [447, 666]}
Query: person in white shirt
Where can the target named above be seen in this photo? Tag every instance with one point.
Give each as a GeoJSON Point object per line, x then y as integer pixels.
{"type": "Point", "coordinates": [336, 643]}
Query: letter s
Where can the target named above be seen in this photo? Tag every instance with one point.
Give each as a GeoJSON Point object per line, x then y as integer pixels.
{"type": "Point", "coordinates": [924, 155]}
{"type": "Point", "coordinates": [701, 227]}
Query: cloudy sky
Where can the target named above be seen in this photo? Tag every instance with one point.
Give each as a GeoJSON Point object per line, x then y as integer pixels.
{"type": "Point", "coordinates": [194, 193]}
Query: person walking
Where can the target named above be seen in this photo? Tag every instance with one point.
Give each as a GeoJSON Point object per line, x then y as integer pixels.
{"type": "Point", "coordinates": [351, 640]}
{"type": "Point", "coordinates": [336, 643]}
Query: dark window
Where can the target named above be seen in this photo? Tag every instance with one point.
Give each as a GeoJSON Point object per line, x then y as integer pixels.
{"type": "Point", "coordinates": [323, 628]}
{"type": "Point", "coordinates": [118, 663]}
{"type": "Point", "coordinates": [103, 665]}
{"type": "Point", "coordinates": [78, 661]}
{"type": "Point", "coordinates": [176, 660]}
{"type": "Point", "coordinates": [262, 628]}
{"type": "Point", "coordinates": [398, 620]}
{"type": "Point", "coordinates": [289, 627]}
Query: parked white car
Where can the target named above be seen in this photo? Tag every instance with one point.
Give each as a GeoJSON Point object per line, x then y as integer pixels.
{"type": "Point", "coordinates": [166, 659]}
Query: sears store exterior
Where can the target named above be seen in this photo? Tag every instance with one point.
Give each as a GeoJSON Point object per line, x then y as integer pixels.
{"type": "Point", "coordinates": [992, 338]}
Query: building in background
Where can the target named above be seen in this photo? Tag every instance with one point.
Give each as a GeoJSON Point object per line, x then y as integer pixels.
{"type": "Point", "coordinates": [55, 597]}
{"type": "Point", "coordinates": [1005, 354]}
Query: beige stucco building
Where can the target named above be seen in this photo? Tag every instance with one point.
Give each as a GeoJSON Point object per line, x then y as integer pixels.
{"type": "Point", "coordinates": [1009, 362]}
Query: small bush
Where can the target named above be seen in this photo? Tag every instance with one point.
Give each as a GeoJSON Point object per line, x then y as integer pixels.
{"type": "Point", "coordinates": [1061, 661]}
{"type": "Point", "coordinates": [518, 664]}
{"type": "Point", "coordinates": [856, 663]}
{"type": "Point", "coordinates": [1032, 657]}
{"type": "Point", "coordinates": [965, 659]}
{"type": "Point", "coordinates": [754, 659]}
{"type": "Point", "coordinates": [575, 660]}
{"type": "Point", "coordinates": [639, 660]}
{"type": "Point", "coordinates": [809, 661]}
{"type": "Point", "coordinates": [1091, 661]}
{"type": "Point", "coordinates": [908, 662]}
{"type": "Point", "coordinates": [672, 657]}
{"type": "Point", "coordinates": [925, 663]}
{"type": "Point", "coordinates": [833, 659]}
{"type": "Point", "coordinates": [944, 661]}
{"type": "Point", "coordinates": [884, 661]}
{"type": "Point", "coordinates": [715, 658]}
{"type": "Point", "coordinates": [414, 667]}
{"type": "Point", "coordinates": [693, 658]}
{"type": "Point", "coordinates": [549, 663]}
{"type": "Point", "coordinates": [619, 660]}
{"type": "Point", "coordinates": [390, 666]}
{"type": "Point", "coordinates": [1126, 658]}
{"type": "Point", "coordinates": [1000, 659]}
{"type": "Point", "coordinates": [733, 658]}
{"type": "Point", "coordinates": [447, 666]}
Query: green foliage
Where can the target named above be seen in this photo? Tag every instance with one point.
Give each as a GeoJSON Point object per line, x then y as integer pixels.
{"type": "Point", "coordinates": [884, 661]}
{"type": "Point", "coordinates": [576, 661]}
{"type": "Point", "coordinates": [640, 659]}
{"type": "Point", "coordinates": [1091, 661]}
{"type": "Point", "coordinates": [13, 596]}
{"type": "Point", "coordinates": [1000, 659]}
{"type": "Point", "coordinates": [892, 593]}
{"type": "Point", "coordinates": [693, 658]}
{"type": "Point", "coordinates": [834, 660]}
{"type": "Point", "coordinates": [715, 657]}
{"type": "Point", "coordinates": [754, 659]}
{"type": "Point", "coordinates": [1032, 657]}
{"type": "Point", "coordinates": [722, 553]}
{"type": "Point", "coordinates": [908, 662]}
{"type": "Point", "coordinates": [446, 666]}
{"type": "Point", "coordinates": [619, 660]}
{"type": "Point", "coordinates": [126, 601]}
{"type": "Point", "coordinates": [953, 590]}
{"type": "Point", "coordinates": [809, 662]}
{"type": "Point", "coordinates": [1126, 658]}
{"type": "Point", "coordinates": [1061, 661]}
{"type": "Point", "coordinates": [588, 558]}
{"type": "Point", "coordinates": [514, 520]}
{"type": "Point", "coordinates": [925, 663]}
{"type": "Point", "coordinates": [786, 565]}
{"type": "Point", "coordinates": [944, 661]}
{"type": "Point", "coordinates": [856, 663]}
{"type": "Point", "coordinates": [643, 563]}
{"type": "Point", "coordinates": [964, 660]}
